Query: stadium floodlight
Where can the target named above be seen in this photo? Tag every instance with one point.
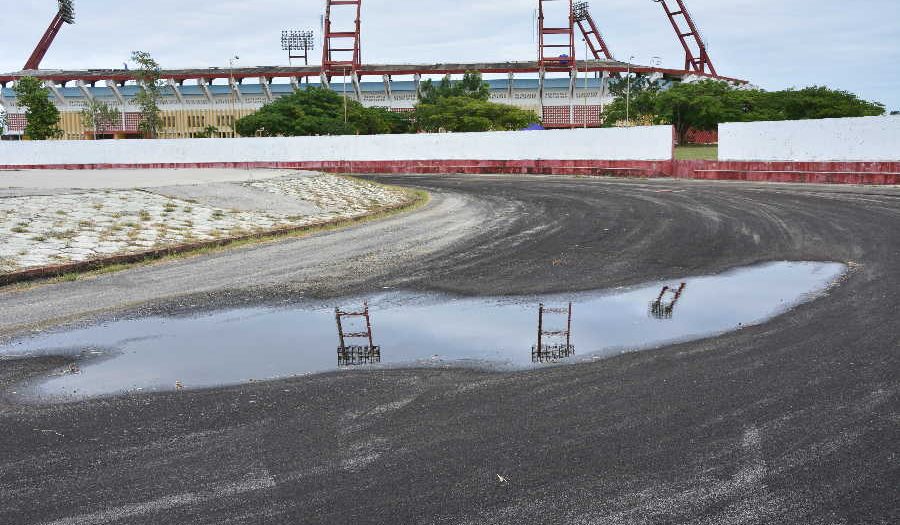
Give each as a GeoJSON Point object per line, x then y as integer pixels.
{"type": "Point", "coordinates": [297, 40]}
{"type": "Point", "coordinates": [67, 11]}
{"type": "Point", "coordinates": [300, 41]}
{"type": "Point", "coordinates": [581, 11]}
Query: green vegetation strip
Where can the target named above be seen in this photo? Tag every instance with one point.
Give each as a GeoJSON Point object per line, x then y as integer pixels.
{"type": "Point", "coordinates": [116, 263]}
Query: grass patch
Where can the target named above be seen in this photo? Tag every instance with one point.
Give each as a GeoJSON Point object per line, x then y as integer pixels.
{"type": "Point", "coordinates": [697, 152]}
{"type": "Point", "coordinates": [63, 235]}
{"type": "Point", "coordinates": [417, 199]}
{"type": "Point", "coordinates": [19, 229]}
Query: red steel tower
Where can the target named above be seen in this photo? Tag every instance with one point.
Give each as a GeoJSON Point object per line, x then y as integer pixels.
{"type": "Point", "coordinates": [65, 15]}
{"type": "Point", "coordinates": [561, 42]}
{"type": "Point", "coordinates": [696, 57]}
{"type": "Point", "coordinates": [341, 52]}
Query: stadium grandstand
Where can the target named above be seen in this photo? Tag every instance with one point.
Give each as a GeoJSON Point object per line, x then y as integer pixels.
{"type": "Point", "coordinates": [564, 89]}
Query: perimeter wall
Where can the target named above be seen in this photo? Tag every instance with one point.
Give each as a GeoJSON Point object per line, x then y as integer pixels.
{"type": "Point", "coordinates": [836, 151]}
{"type": "Point", "coordinates": [867, 139]}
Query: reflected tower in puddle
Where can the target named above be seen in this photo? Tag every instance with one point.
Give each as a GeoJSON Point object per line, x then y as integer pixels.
{"type": "Point", "coordinates": [664, 305]}
{"type": "Point", "coordinates": [348, 329]}
{"type": "Point", "coordinates": [553, 345]}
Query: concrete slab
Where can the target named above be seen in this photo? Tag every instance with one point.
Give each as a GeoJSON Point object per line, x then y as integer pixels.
{"type": "Point", "coordinates": [235, 196]}
{"type": "Point", "coordinates": [127, 179]}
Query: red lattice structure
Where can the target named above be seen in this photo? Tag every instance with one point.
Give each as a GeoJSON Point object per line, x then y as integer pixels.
{"type": "Point", "coordinates": [696, 57]}
{"type": "Point", "coordinates": [560, 117]}
{"type": "Point", "coordinates": [587, 115]}
{"type": "Point", "coordinates": [341, 50]}
{"type": "Point", "coordinates": [592, 35]}
{"type": "Point", "coordinates": [696, 136]}
{"type": "Point", "coordinates": [556, 45]}
{"type": "Point", "coordinates": [16, 122]}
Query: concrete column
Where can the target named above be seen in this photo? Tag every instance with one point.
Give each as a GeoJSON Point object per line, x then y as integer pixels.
{"type": "Point", "coordinates": [84, 90]}
{"type": "Point", "coordinates": [57, 93]}
{"type": "Point", "coordinates": [235, 88]}
{"type": "Point", "coordinates": [174, 85]}
{"type": "Point", "coordinates": [388, 91]}
{"type": "Point", "coordinates": [356, 87]}
{"type": "Point", "coordinates": [264, 82]}
{"type": "Point", "coordinates": [204, 85]}
{"type": "Point", "coordinates": [111, 84]}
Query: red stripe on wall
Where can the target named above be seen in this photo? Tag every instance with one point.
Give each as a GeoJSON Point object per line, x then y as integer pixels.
{"type": "Point", "coordinates": [873, 173]}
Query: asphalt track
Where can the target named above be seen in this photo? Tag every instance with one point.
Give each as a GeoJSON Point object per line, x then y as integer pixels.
{"type": "Point", "coordinates": [794, 421]}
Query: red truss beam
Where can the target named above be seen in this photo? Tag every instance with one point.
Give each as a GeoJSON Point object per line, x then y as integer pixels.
{"type": "Point", "coordinates": [555, 61]}
{"type": "Point", "coordinates": [696, 57]}
{"type": "Point", "coordinates": [592, 34]}
{"type": "Point", "coordinates": [339, 56]}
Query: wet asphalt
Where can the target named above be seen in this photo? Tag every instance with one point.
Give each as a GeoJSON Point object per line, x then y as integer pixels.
{"type": "Point", "coordinates": [793, 421]}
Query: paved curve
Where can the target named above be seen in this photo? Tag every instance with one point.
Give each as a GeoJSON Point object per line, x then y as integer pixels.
{"type": "Point", "coordinates": [794, 421]}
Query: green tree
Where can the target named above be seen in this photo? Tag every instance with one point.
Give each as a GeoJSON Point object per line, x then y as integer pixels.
{"type": "Point", "coordinates": [814, 102]}
{"type": "Point", "coordinates": [464, 106]}
{"type": "Point", "coordinates": [319, 111]}
{"type": "Point", "coordinates": [619, 86]}
{"type": "Point", "coordinates": [147, 76]}
{"type": "Point", "coordinates": [471, 86]}
{"type": "Point", "coordinates": [3, 121]}
{"type": "Point", "coordinates": [463, 114]}
{"type": "Point", "coordinates": [42, 116]}
{"type": "Point", "coordinates": [704, 105]}
{"type": "Point", "coordinates": [698, 105]}
{"type": "Point", "coordinates": [99, 116]}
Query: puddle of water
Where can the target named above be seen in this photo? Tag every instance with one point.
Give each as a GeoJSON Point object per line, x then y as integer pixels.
{"type": "Point", "coordinates": [235, 346]}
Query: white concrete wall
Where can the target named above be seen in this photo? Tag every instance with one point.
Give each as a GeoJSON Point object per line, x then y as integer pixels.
{"type": "Point", "coordinates": [641, 143]}
{"type": "Point", "coordinates": [849, 139]}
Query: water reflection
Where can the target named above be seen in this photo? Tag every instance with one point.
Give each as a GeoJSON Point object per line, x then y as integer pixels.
{"type": "Point", "coordinates": [550, 346]}
{"type": "Point", "coordinates": [235, 346]}
{"type": "Point", "coordinates": [664, 305]}
{"type": "Point", "coordinates": [350, 355]}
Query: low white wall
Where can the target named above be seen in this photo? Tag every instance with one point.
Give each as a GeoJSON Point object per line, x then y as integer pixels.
{"type": "Point", "coordinates": [640, 143]}
{"type": "Point", "coordinates": [864, 139]}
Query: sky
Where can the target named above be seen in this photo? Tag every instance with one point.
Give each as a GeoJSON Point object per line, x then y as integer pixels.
{"type": "Point", "coordinates": [774, 44]}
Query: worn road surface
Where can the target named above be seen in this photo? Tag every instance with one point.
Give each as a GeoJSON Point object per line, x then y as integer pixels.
{"type": "Point", "coordinates": [793, 421]}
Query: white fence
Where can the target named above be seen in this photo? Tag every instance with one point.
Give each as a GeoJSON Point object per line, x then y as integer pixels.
{"type": "Point", "coordinates": [641, 143]}
{"type": "Point", "coordinates": [867, 139]}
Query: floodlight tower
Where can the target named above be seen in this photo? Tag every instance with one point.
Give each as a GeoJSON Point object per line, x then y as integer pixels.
{"type": "Point", "coordinates": [696, 56]}
{"type": "Point", "coordinates": [597, 45]}
{"type": "Point", "coordinates": [65, 15]}
{"type": "Point", "coordinates": [561, 39]}
{"type": "Point", "coordinates": [299, 41]}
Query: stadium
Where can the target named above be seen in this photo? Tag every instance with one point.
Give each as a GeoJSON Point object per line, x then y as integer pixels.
{"type": "Point", "coordinates": [567, 83]}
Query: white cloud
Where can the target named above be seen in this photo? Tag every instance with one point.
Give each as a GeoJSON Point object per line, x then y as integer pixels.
{"type": "Point", "coordinates": [773, 43]}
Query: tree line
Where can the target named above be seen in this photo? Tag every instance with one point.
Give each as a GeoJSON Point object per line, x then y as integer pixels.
{"type": "Point", "coordinates": [706, 104]}
{"type": "Point", "coordinates": [445, 106]}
